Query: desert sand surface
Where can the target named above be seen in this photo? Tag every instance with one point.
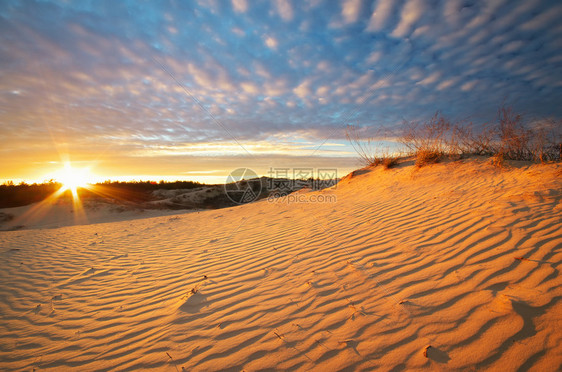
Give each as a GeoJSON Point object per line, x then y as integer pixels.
{"type": "Point", "coordinates": [453, 266]}
{"type": "Point", "coordinates": [54, 214]}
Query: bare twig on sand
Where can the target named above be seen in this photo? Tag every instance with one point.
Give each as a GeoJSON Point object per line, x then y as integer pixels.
{"type": "Point", "coordinates": [173, 361]}
{"type": "Point", "coordinates": [425, 350]}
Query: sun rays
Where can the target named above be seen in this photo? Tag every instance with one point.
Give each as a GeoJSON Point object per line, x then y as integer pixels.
{"type": "Point", "coordinates": [72, 178]}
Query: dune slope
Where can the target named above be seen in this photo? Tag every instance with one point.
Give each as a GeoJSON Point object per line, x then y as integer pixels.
{"type": "Point", "coordinates": [452, 266]}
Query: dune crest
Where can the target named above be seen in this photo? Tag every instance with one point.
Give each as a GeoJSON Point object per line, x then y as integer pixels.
{"type": "Point", "coordinates": [451, 266]}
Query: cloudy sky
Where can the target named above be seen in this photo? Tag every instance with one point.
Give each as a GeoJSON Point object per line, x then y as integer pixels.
{"type": "Point", "coordinates": [195, 89]}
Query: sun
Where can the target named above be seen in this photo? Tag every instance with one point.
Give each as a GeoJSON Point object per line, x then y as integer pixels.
{"type": "Point", "coordinates": [72, 178]}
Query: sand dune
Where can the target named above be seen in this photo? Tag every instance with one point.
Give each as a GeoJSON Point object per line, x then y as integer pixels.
{"type": "Point", "coordinates": [54, 214]}
{"type": "Point", "coordinates": [451, 266]}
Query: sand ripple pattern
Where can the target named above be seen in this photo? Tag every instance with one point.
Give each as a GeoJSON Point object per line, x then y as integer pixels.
{"type": "Point", "coordinates": [461, 256]}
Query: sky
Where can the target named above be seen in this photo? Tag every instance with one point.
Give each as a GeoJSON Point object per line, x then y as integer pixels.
{"type": "Point", "coordinates": [195, 89]}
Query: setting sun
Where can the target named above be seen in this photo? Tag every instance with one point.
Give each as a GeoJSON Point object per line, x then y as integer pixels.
{"type": "Point", "coordinates": [72, 178]}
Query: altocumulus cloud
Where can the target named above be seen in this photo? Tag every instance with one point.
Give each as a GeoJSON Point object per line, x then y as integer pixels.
{"type": "Point", "coordinates": [88, 73]}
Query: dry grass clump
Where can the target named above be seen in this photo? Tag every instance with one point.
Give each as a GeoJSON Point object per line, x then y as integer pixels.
{"type": "Point", "coordinates": [513, 139]}
{"type": "Point", "coordinates": [425, 157]}
{"type": "Point", "coordinates": [390, 161]}
{"type": "Point", "coordinates": [540, 141]}
{"type": "Point", "coordinates": [370, 149]}
{"type": "Point", "coordinates": [466, 140]}
{"type": "Point", "coordinates": [497, 160]}
{"type": "Point", "coordinates": [508, 138]}
{"type": "Point", "coordinates": [428, 141]}
{"type": "Point", "coordinates": [366, 148]}
{"type": "Point", "coordinates": [429, 137]}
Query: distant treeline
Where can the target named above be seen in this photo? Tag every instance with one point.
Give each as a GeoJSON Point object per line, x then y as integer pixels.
{"type": "Point", "coordinates": [23, 194]}
{"type": "Point", "coordinates": [151, 185]}
{"type": "Point", "coordinates": [12, 195]}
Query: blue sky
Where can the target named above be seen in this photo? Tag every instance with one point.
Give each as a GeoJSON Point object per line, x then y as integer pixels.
{"type": "Point", "coordinates": [186, 89]}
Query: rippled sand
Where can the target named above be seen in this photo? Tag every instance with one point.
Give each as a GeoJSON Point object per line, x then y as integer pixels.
{"type": "Point", "coordinates": [451, 266]}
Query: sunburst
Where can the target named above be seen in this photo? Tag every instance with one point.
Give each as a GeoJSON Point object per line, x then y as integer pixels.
{"type": "Point", "coordinates": [72, 178]}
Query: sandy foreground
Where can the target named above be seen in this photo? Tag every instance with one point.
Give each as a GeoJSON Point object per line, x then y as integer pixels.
{"type": "Point", "coordinates": [451, 266]}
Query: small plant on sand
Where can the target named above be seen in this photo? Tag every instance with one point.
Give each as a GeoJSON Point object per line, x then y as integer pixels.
{"type": "Point", "coordinates": [428, 141]}
{"type": "Point", "coordinates": [508, 138]}
{"type": "Point", "coordinates": [546, 141]}
{"type": "Point", "coordinates": [370, 149]}
{"type": "Point", "coordinates": [390, 161]}
{"type": "Point", "coordinates": [366, 148]}
{"type": "Point", "coordinates": [425, 157]}
{"type": "Point", "coordinates": [497, 160]}
{"type": "Point", "coordinates": [520, 140]}
{"type": "Point", "coordinates": [514, 137]}
{"type": "Point", "coordinates": [466, 140]}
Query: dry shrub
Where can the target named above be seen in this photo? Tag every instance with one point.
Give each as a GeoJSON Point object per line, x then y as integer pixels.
{"type": "Point", "coordinates": [539, 141]}
{"type": "Point", "coordinates": [509, 138]}
{"type": "Point", "coordinates": [428, 141]}
{"type": "Point", "coordinates": [514, 137]}
{"type": "Point", "coordinates": [390, 162]}
{"type": "Point", "coordinates": [367, 149]}
{"type": "Point", "coordinates": [546, 143]}
{"type": "Point", "coordinates": [428, 136]}
{"type": "Point", "coordinates": [465, 140]}
{"type": "Point", "coordinates": [370, 149]}
{"type": "Point", "coordinates": [497, 160]}
{"type": "Point", "coordinates": [425, 157]}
